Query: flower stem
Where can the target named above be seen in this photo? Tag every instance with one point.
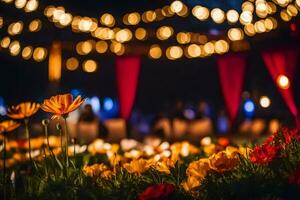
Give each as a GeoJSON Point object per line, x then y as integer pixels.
{"type": "Point", "coordinates": [67, 143]}
{"type": "Point", "coordinates": [26, 122]}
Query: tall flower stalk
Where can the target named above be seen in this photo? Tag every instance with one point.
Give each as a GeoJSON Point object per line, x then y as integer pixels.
{"type": "Point", "coordinates": [24, 111]}
{"type": "Point", "coordinates": [60, 106]}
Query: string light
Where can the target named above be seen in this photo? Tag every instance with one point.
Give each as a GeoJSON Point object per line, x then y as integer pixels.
{"type": "Point", "coordinates": [264, 101]}
{"type": "Point", "coordinates": [20, 3]}
{"type": "Point", "coordinates": [235, 34]}
{"type": "Point", "coordinates": [140, 33]}
{"type": "Point", "coordinates": [155, 51]}
{"type": "Point", "coordinates": [183, 38]}
{"type": "Point", "coordinates": [124, 35]}
{"type": "Point", "coordinates": [14, 48]}
{"type": "Point", "coordinates": [89, 66]}
{"type": "Point", "coordinates": [72, 63]}
{"type": "Point", "coordinates": [15, 28]}
{"type": "Point", "coordinates": [39, 54]}
{"type": "Point", "coordinates": [217, 15]}
{"type": "Point", "coordinates": [176, 6]}
{"type": "Point", "coordinates": [101, 46]}
{"type": "Point", "coordinates": [27, 52]}
{"type": "Point", "coordinates": [164, 32]}
{"type": "Point", "coordinates": [5, 42]}
{"type": "Point", "coordinates": [35, 25]}
{"type": "Point", "coordinates": [174, 52]}
{"type": "Point", "coordinates": [193, 50]}
{"type": "Point", "coordinates": [283, 82]}
{"type": "Point", "coordinates": [107, 20]}
{"type": "Point", "coordinates": [31, 5]}
{"type": "Point", "coordinates": [232, 16]}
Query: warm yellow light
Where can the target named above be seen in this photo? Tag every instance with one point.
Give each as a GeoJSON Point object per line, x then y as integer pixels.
{"type": "Point", "coordinates": [89, 66]}
{"type": "Point", "coordinates": [183, 38]}
{"type": "Point", "coordinates": [15, 28]}
{"type": "Point", "coordinates": [232, 16]}
{"type": "Point", "coordinates": [235, 34]}
{"type": "Point", "coordinates": [149, 16]}
{"type": "Point", "coordinates": [217, 15]}
{"type": "Point", "coordinates": [65, 19]}
{"type": "Point", "coordinates": [7, 1]}
{"type": "Point", "coordinates": [35, 25]}
{"type": "Point", "coordinates": [271, 7]}
{"type": "Point", "coordinates": [209, 48]}
{"type": "Point", "coordinates": [57, 13]}
{"type": "Point", "coordinates": [201, 13]}
{"type": "Point", "coordinates": [123, 35]}
{"type": "Point", "coordinates": [297, 3]}
{"type": "Point", "coordinates": [107, 20]}
{"type": "Point", "coordinates": [269, 24]}
{"type": "Point", "coordinates": [85, 24]}
{"type": "Point", "coordinates": [39, 54]}
{"type": "Point", "coordinates": [249, 29]}
{"type": "Point", "coordinates": [221, 46]}
{"type": "Point", "coordinates": [285, 16]}
{"type": "Point", "coordinates": [155, 52]}
{"type": "Point", "coordinates": [292, 10]}
{"type": "Point", "coordinates": [117, 48]}
{"type": "Point", "coordinates": [104, 33]}
{"type": "Point", "coordinates": [72, 63]}
{"type": "Point", "coordinates": [176, 6]}
{"type": "Point", "coordinates": [101, 47]}
{"type": "Point", "coordinates": [86, 47]}
{"type": "Point", "coordinates": [31, 5]}
{"type": "Point", "coordinates": [164, 32]}
{"type": "Point", "coordinates": [55, 60]}
{"type": "Point", "coordinates": [140, 33]}
{"type": "Point", "coordinates": [283, 82]}
{"type": "Point", "coordinates": [261, 6]}
{"type": "Point", "coordinates": [260, 26]}
{"type": "Point", "coordinates": [264, 101]}
{"type": "Point", "coordinates": [133, 18]}
{"type": "Point", "coordinates": [1, 22]}
{"type": "Point", "coordinates": [167, 12]}
{"type": "Point", "coordinates": [246, 17]}
{"type": "Point", "coordinates": [14, 48]}
{"type": "Point", "coordinates": [283, 3]}
{"type": "Point", "coordinates": [174, 52]}
{"type": "Point", "coordinates": [5, 42]}
{"type": "Point", "coordinates": [48, 12]}
{"type": "Point", "coordinates": [247, 6]}
{"type": "Point", "coordinates": [20, 3]}
{"type": "Point", "coordinates": [27, 52]}
{"type": "Point", "coordinates": [193, 50]}
{"type": "Point", "coordinates": [184, 11]}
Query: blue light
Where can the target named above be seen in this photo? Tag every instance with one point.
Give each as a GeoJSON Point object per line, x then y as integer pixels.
{"type": "Point", "coordinates": [249, 108]}
{"type": "Point", "coordinates": [95, 103]}
{"type": "Point", "coordinates": [108, 104]}
{"type": "Point", "coordinates": [75, 92]}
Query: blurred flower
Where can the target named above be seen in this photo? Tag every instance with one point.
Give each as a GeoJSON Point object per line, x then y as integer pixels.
{"type": "Point", "coordinates": [23, 110]}
{"type": "Point", "coordinates": [95, 170]}
{"type": "Point", "coordinates": [221, 162]}
{"type": "Point", "coordinates": [61, 105]}
{"type": "Point", "coordinates": [198, 169]}
{"type": "Point", "coordinates": [162, 167]}
{"type": "Point", "coordinates": [156, 192]}
{"type": "Point", "coordinates": [137, 166]}
{"type": "Point", "coordinates": [8, 126]}
{"type": "Point", "coordinates": [223, 141]}
{"type": "Point", "coordinates": [190, 183]}
{"type": "Point", "coordinates": [263, 154]}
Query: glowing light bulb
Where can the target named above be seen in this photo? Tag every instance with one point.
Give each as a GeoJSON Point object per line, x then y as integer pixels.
{"type": "Point", "coordinates": [283, 82]}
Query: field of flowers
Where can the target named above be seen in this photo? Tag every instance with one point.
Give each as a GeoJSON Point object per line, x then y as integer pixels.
{"type": "Point", "coordinates": [54, 167]}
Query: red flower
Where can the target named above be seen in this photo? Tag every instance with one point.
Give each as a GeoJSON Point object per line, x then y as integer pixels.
{"type": "Point", "coordinates": [294, 178]}
{"type": "Point", "coordinates": [287, 135]}
{"type": "Point", "coordinates": [263, 154]}
{"type": "Point", "coordinates": [156, 192]}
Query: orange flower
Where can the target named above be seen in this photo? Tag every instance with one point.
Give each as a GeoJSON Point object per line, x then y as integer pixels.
{"type": "Point", "coordinates": [23, 110]}
{"type": "Point", "coordinates": [222, 162]}
{"type": "Point", "coordinates": [61, 105]}
{"type": "Point", "coordinates": [8, 126]}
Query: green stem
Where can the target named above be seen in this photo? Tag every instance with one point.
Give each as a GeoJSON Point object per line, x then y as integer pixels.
{"type": "Point", "coordinates": [67, 143]}
{"type": "Point", "coordinates": [4, 166]}
{"type": "Point", "coordinates": [47, 138]}
{"type": "Point", "coordinates": [26, 122]}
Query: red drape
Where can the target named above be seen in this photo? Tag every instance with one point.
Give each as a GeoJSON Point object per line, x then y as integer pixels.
{"type": "Point", "coordinates": [283, 62]}
{"type": "Point", "coordinates": [127, 75]}
{"type": "Point", "coordinates": [231, 73]}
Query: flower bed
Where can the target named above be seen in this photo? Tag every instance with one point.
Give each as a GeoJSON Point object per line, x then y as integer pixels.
{"type": "Point", "coordinates": [50, 168]}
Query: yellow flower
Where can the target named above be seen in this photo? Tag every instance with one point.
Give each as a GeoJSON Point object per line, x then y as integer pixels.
{"type": "Point", "coordinates": [137, 166]}
{"type": "Point", "coordinates": [23, 110]}
{"type": "Point", "coordinates": [94, 170]}
{"type": "Point", "coordinates": [198, 169]}
{"type": "Point", "coordinates": [221, 162]}
{"type": "Point", "coordinates": [162, 167]}
{"type": "Point", "coordinates": [245, 151]}
{"type": "Point", "coordinates": [107, 174]}
{"type": "Point", "coordinates": [210, 149]}
{"type": "Point", "coordinates": [8, 126]}
{"type": "Point", "coordinates": [61, 105]}
{"type": "Point", "coordinates": [190, 183]}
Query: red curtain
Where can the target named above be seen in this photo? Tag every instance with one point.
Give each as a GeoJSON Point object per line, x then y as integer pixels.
{"type": "Point", "coordinates": [127, 75]}
{"type": "Point", "coordinates": [231, 73]}
{"type": "Point", "coordinates": [283, 62]}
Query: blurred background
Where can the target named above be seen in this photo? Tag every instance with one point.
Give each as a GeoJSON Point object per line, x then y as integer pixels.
{"type": "Point", "coordinates": [172, 69]}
